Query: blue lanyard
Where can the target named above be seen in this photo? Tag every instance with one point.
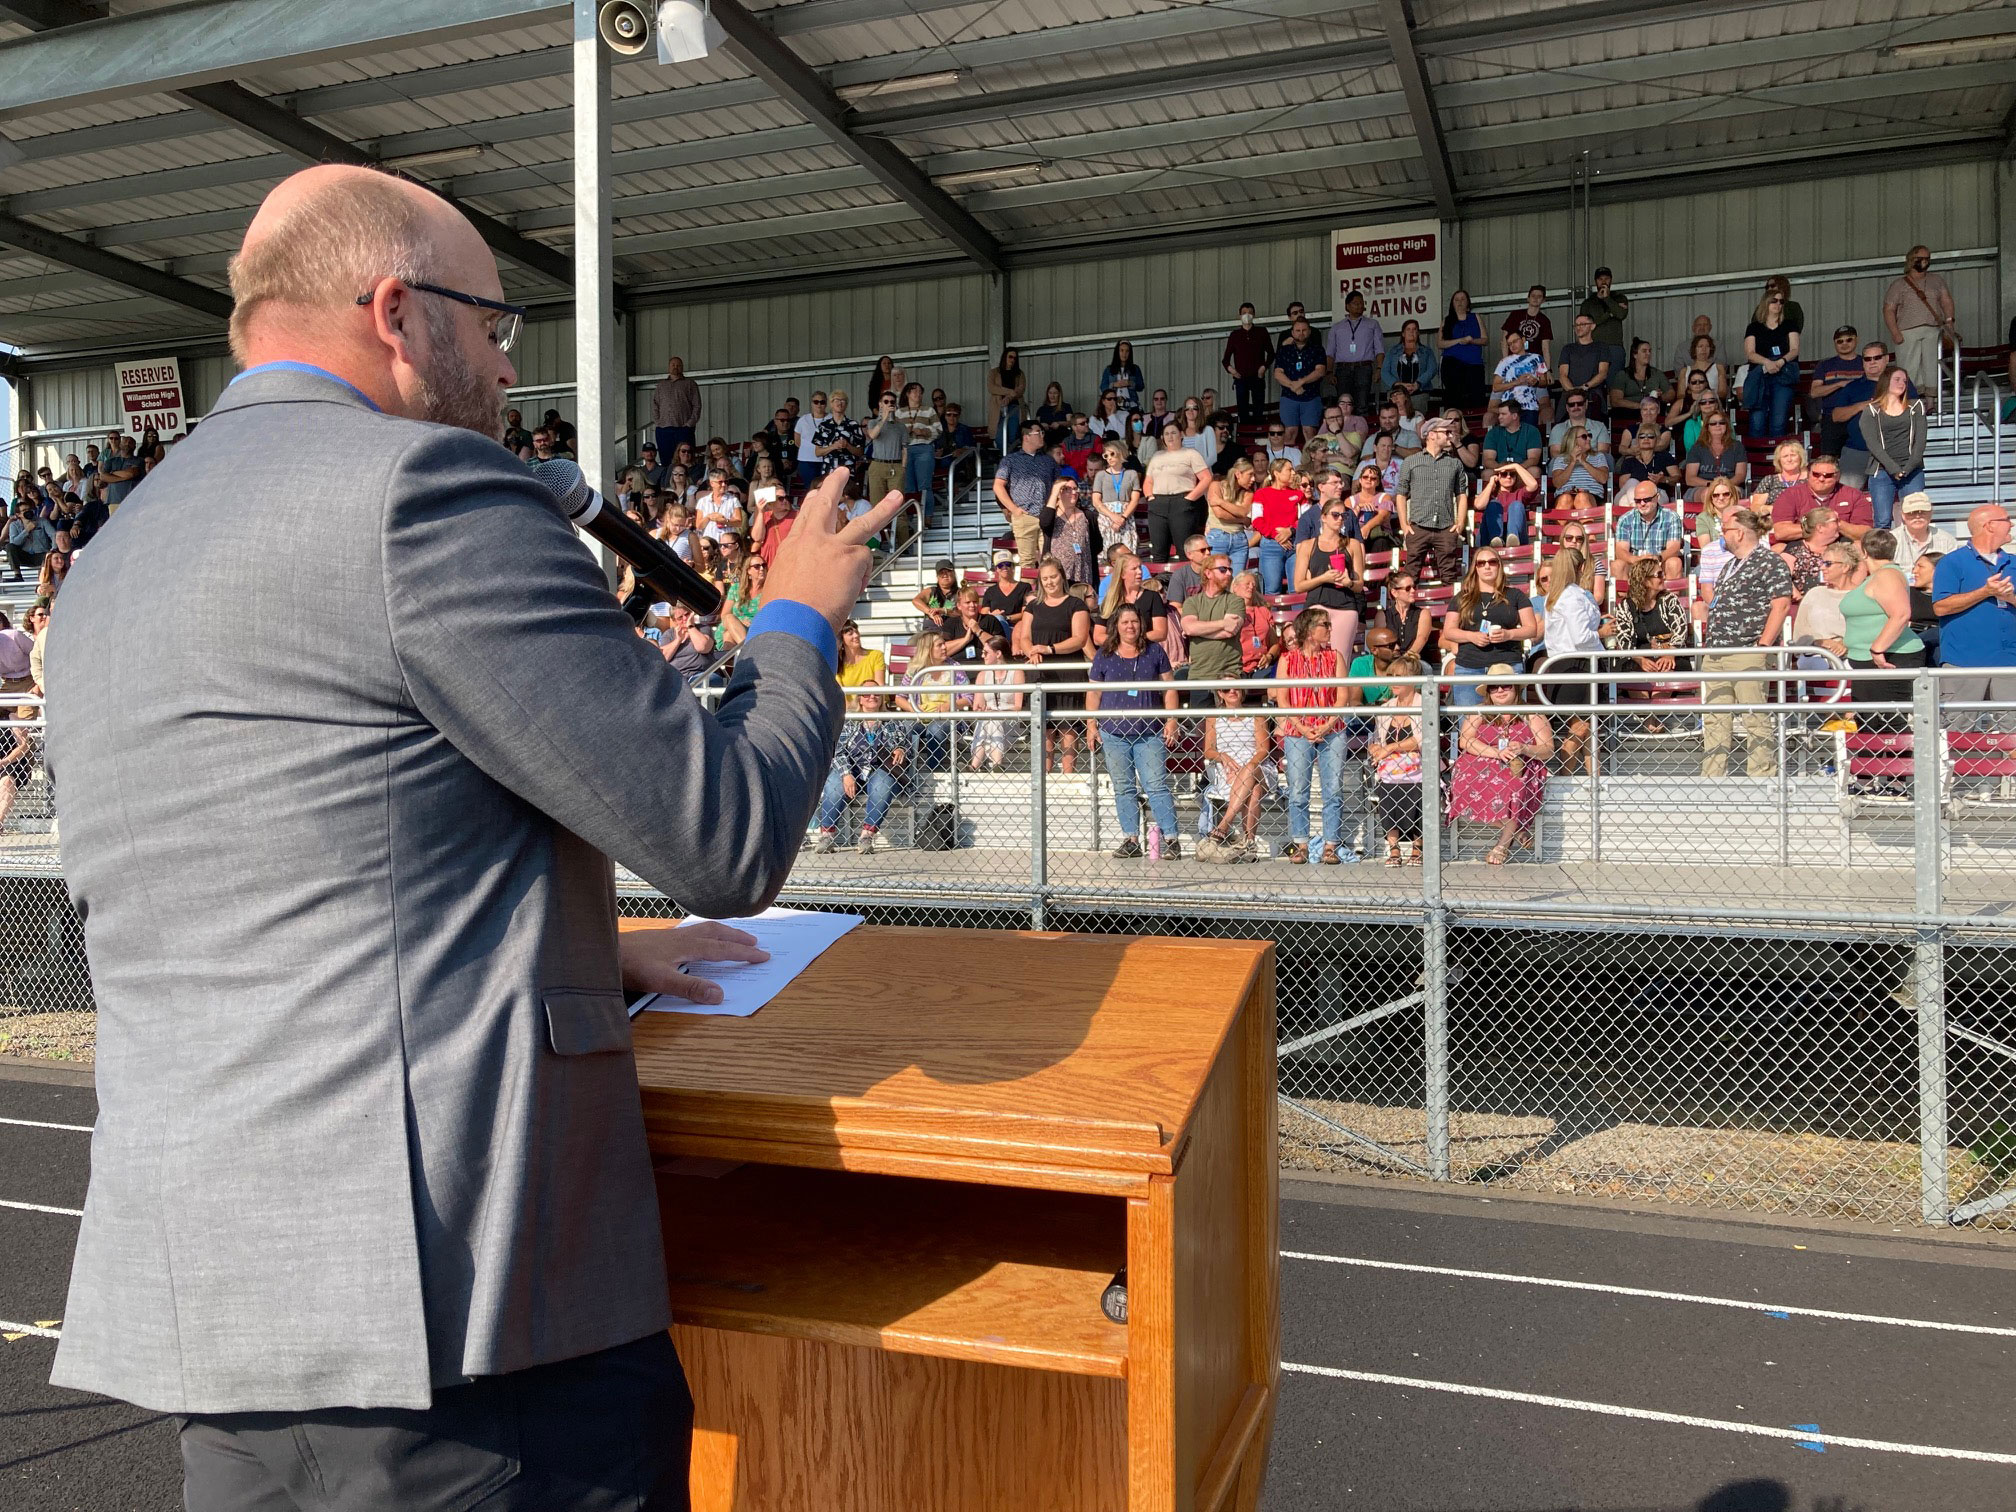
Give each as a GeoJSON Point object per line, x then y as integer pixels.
{"type": "Point", "coordinates": [306, 367]}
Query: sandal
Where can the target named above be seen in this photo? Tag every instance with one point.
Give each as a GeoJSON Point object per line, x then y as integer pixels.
{"type": "Point", "coordinates": [1330, 856]}
{"type": "Point", "coordinates": [1498, 855]}
{"type": "Point", "coordinates": [1393, 853]}
{"type": "Point", "coordinates": [1415, 858]}
{"type": "Point", "coordinates": [1296, 853]}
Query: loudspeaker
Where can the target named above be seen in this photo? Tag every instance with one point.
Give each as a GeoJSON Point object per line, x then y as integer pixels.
{"type": "Point", "coordinates": [624, 27]}
{"type": "Point", "coordinates": [687, 31]}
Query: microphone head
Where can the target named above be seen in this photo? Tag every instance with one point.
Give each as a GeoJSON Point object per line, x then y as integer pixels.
{"type": "Point", "coordinates": [565, 480]}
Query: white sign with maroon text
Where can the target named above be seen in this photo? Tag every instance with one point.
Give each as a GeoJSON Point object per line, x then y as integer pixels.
{"type": "Point", "coordinates": [150, 397]}
{"type": "Point", "coordinates": [1397, 268]}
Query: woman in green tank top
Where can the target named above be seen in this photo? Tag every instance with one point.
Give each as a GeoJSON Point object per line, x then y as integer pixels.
{"type": "Point", "coordinates": [1877, 613]}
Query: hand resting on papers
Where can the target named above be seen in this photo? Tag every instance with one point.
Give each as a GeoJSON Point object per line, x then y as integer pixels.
{"type": "Point", "coordinates": [654, 959]}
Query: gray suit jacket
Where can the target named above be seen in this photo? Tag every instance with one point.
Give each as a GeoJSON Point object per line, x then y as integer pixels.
{"type": "Point", "coordinates": [338, 798]}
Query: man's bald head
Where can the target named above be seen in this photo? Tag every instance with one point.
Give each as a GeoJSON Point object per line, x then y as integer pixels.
{"type": "Point", "coordinates": [1988, 527]}
{"type": "Point", "coordinates": [329, 236]}
{"type": "Point", "coordinates": [326, 235]}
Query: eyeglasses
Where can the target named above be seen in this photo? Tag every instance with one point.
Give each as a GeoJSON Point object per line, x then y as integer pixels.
{"type": "Point", "coordinates": [1822, 472]}
{"type": "Point", "coordinates": [1273, 433]}
{"type": "Point", "coordinates": [1333, 514]}
{"type": "Point", "coordinates": [510, 318]}
{"type": "Point", "coordinates": [1878, 357]}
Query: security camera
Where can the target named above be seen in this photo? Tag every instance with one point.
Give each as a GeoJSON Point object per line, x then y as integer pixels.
{"type": "Point", "coordinates": [624, 27]}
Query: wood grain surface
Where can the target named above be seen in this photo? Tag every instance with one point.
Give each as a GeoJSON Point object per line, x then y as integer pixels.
{"type": "Point", "coordinates": [1046, 1049]}
{"type": "Point", "coordinates": [920, 1267]}
{"type": "Point", "coordinates": [788, 1425]}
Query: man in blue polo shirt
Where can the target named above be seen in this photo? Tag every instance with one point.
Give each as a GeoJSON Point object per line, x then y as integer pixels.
{"type": "Point", "coordinates": [1974, 595]}
{"type": "Point", "coordinates": [1830, 375]}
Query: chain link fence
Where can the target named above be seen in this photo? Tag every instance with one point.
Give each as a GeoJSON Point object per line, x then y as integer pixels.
{"type": "Point", "coordinates": [1600, 957]}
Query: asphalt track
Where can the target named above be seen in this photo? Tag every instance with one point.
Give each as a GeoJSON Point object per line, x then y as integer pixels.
{"type": "Point", "coordinates": [1430, 1373]}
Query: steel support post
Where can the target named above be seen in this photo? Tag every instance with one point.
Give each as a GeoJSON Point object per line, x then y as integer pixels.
{"type": "Point", "coordinates": [598, 386]}
{"type": "Point", "coordinates": [1434, 938]}
{"type": "Point", "coordinates": [1039, 816]}
{"type": "Point", "coordinates": [1928, 976]}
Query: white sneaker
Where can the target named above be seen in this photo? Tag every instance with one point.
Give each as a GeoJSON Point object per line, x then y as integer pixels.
{"type": "Point", "coordinates": [823, 846]}
{"type": "Point", "coordinates": [867, 841]}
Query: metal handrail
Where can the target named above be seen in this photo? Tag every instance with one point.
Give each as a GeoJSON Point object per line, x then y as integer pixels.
{"type": "Point", "coordinates": [1994, 388]}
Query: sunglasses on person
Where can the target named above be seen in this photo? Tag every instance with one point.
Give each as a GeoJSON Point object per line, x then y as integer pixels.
{"type": "Point", "coordinates": [1578, 403]}
{"type": "Point", "coordinates": [1572, 540]}
{"type": "Point", "coordinates": [1275, 434]}
{"type": "Point", "coordinates": [1822, 472]}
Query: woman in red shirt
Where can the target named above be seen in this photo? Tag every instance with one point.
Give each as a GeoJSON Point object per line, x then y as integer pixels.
{"type": "Point", "coordinates": [1281, 504]}
{"type": "Point", "coordinates": [1313, 737]}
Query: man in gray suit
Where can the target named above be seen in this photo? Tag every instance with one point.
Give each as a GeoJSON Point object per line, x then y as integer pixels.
{"type": "Point", "coordinates": [371, 1207]}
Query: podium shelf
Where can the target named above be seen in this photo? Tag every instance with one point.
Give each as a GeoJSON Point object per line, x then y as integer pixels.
{"type": "Point", "coordinates": [1004, 1275]}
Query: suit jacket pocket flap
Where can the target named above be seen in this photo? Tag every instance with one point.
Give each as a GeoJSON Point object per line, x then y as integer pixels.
{"type": "Point", "coordinates": [583, 1022]}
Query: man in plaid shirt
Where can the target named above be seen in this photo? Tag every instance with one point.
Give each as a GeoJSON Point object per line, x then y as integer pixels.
{"type": "Point", "coordinates": [1649, 530]}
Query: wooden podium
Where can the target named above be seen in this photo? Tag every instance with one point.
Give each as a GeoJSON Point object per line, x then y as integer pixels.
{"type": "Point", "coordinates": [948, 1142]}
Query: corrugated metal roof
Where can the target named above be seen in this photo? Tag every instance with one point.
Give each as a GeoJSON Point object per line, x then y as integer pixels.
{"type": "Point", "coordinates": [714, 176]}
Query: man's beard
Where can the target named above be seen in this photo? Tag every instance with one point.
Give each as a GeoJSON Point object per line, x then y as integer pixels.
{"type": "Point", "coordinates": [452, 392]}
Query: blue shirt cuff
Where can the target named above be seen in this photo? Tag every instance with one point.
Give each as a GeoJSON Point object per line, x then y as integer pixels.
{"type": "Point", "coordinates": [789, 617]}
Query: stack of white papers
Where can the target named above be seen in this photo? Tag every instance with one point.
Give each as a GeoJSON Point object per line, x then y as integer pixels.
{"type": "Point", "coordinates": [795, 939]}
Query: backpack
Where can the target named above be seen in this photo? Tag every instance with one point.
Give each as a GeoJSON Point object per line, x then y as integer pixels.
{"type": "Point", "coordinates": [938, 829]}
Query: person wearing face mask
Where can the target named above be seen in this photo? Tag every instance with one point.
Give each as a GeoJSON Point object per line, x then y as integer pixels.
{"type": "Point", "coordinates": [1918, 313]}
{"type": "Point", "coordinates": [1248, 352]}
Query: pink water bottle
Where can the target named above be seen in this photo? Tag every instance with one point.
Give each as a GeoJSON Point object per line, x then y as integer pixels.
{"type": "Point", "coordinates": [1154, 841]}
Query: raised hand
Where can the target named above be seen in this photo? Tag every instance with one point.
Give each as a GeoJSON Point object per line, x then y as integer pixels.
{"type": "Point", "coordinates": [824, 561]}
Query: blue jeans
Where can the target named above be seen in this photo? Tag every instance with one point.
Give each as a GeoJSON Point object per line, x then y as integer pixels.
{"type": "Point", "coordinates": [1769, 396]}
{"type": "Point", "coordinates": [1502, 519]}
{"type": "Point", "coordinates": [1140, 766]}
{"type": "Point", "coordinates": [1466, 688]}
{"type": "Point", "coordinates": [1231, 542]}
{"type": "Point", "coordinates": [920, 462]}
{"type": "Point", "coordinates": [1327, 756]}
{"type": "Point", "coordinates": [833, 802]}
{"type": "Point", "coordinates": [1885, 491]}
{"type": "Point", "coordinates": [934, 743]}
{"type": "Point", "coordinates": [1274, 561]}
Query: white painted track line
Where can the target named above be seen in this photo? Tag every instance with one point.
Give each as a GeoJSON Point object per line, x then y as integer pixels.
{"type": "Point", "coordinates": [1648, 1415]}
{"type": "Point", "coordinates": [36, 1207]}
{"type": "Point", "coordinates": [33, 1123]}
{"type": "Point", "coordinates": [1657, 1296]}
{"type": "Point", "coordinates": [29, 1328]}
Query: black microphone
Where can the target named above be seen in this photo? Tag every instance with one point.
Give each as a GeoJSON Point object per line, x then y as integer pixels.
{"type": "Point", "coordinates": [651, 559]}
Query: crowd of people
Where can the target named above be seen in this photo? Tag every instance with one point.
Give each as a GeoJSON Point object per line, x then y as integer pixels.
{"type": "Point", "coordinates": [1468, 499]}
{"type": "Point", "coordinates": [1473, 501]}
